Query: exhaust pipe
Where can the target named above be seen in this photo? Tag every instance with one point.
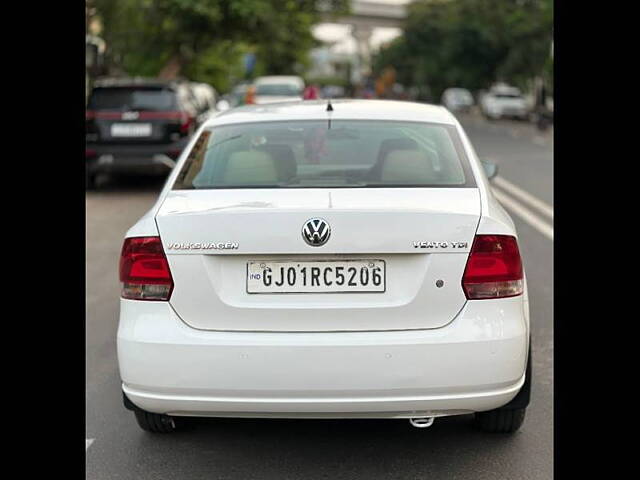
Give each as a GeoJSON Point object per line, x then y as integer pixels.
{"type": "Point", "coordinates": [421, 422]}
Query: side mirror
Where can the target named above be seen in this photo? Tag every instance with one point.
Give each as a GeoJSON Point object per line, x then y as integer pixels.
{"type": "Point", "coordinates": [222, 105]}
{"type": "Point", "coordinates": [490, 168]}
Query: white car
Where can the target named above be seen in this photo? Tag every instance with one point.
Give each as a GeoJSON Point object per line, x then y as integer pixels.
{"type": "Point", "coordinates": [457, 99]}
{"type": "Point", "coordinates": [278, 88]}
{"type": "Point", "coordinates": [206, 98]}
{"type": "Point", "coordinates": [504, 101]}
{"type": "Point", "coordinates": [316, 260]}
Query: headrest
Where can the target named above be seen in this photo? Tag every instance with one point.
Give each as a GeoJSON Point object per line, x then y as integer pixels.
{"type": "Point", "coordinates": [407, 166]}
{"type": "Point", "coordinates": [285, 160]}
{"type": "Point", "coordinates": [250, 167]}
{"type": "Point", "coordinates": [386, 146]}
{"type": "Point", "coordinates": [391, 144]}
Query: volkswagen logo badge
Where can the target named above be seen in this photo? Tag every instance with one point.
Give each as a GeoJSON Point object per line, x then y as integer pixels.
{"type": "Point", "coordinates": [316, 232]}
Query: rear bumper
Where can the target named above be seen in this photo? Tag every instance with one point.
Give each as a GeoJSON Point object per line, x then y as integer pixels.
{"type": "Point", "coordinates": [514, 113]}
{"type": "Point", "coordinates": [321, 407]}
{"type": "Point", "coordinates": [475, 363]}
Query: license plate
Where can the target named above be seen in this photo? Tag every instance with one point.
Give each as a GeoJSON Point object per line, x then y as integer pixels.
{"type": "Point", "coordinates": [131, 130]}
{"type": "Point", "coordinates": [331, 276]}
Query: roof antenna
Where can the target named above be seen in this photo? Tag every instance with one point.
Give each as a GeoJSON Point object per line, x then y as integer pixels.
{"type": "Point", "coordinates": [329, 109]}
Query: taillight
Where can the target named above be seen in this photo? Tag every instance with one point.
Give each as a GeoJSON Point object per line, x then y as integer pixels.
{"type": "Point", "coordinates": [174, 153]}
{"type": "Point", "coordinates": [89, 153]}
{"type": "Point", "coordinates": [144, 270]}
{"type": "Point", "coordinates": [183, 120]}
{"type": "Point", "coordinates": [494, 268]}
{"type": "Point", "coordinates": [187, 120]}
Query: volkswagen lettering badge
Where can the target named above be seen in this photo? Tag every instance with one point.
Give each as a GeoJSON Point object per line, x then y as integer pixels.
{"type": "Point", "coordinates": [316, 232]}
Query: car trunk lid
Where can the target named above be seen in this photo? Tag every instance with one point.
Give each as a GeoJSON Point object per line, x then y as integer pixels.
{"type": "Point", "coordinates": [423, 235]}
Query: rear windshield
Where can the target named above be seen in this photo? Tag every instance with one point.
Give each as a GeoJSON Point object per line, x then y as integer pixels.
{"type": "Point", "coordinates": [132, 98]}
{"type": "Point", "coordinates": [285, 89]}
{"type": "Point", "coordinates": [464, 94]}
{"type": "Point", "coordinates": [323, 154]}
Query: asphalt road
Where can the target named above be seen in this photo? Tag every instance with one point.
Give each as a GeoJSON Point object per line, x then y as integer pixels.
{"type": "Point", "coordinates": [305, 449]}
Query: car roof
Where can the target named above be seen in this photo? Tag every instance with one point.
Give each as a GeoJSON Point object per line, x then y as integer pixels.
{"type": "Point", "coordinates": [343, 109]}
{"type": "Point", "coordinates": [134, 82]}
{"type": "Point", "coordinates": [278, 79]}
{"type": "Point", "coordinates": [457, 89]}
{"type": "Point", "coordinates": [507, 89]}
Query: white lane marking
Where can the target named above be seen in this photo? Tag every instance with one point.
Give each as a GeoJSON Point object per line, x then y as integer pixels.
{"type": "Point", "coordinates": [524, 213]}
{"type": "Point", "coordinates": [524, 196]}
{"type": "Point", "coordinates": [89, 442]}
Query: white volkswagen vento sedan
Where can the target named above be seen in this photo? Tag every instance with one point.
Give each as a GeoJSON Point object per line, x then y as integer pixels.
{"type": "Point", "coordinates": [309, 260]}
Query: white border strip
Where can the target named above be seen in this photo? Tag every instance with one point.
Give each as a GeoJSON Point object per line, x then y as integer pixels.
{"type": "Point", "coordinates": [89, 442]}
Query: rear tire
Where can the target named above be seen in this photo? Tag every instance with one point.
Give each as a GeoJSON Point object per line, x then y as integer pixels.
{"type": "Point", "coordinates": [500, 420]}
{"type": "Point", "coordinates": [509, 417]}
{"type": "Point", "coordinates": [155, 422]}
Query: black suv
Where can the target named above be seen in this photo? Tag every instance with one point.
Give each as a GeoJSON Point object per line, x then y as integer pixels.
{"type": "Point", "coordinates": [137, 125]}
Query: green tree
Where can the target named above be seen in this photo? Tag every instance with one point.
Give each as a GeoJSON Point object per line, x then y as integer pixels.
{"type": "Point", "coordinates": [205, 39]}
{"type": "Point", "coordinates": [471, 43]}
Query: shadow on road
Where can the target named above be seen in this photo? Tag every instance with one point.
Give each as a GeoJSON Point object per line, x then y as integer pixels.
{"type": "Point", "coordinates": [248, 448]}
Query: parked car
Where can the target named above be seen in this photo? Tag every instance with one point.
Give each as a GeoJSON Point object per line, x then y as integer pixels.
{"type": "Point", "coordinates": [333, 91]}
{"type": "Point", "coordinates": [137, 125]}
{"type": "Point", "coordinates": [307, 263]}
{"type": "Point", "coordinates": [457, 99]}
{"type": "Point", "coordinates": [279, 88]}
{"type": "Point", "coordinates": [206, 99]}
{"type": "Point", "coordinates": [503, 101]}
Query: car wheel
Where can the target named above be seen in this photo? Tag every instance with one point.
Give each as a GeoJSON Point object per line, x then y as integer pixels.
{"type": "Point", "coordinates": [500, 420]}
{"type": "Point", "coordinates": [155, 422]}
